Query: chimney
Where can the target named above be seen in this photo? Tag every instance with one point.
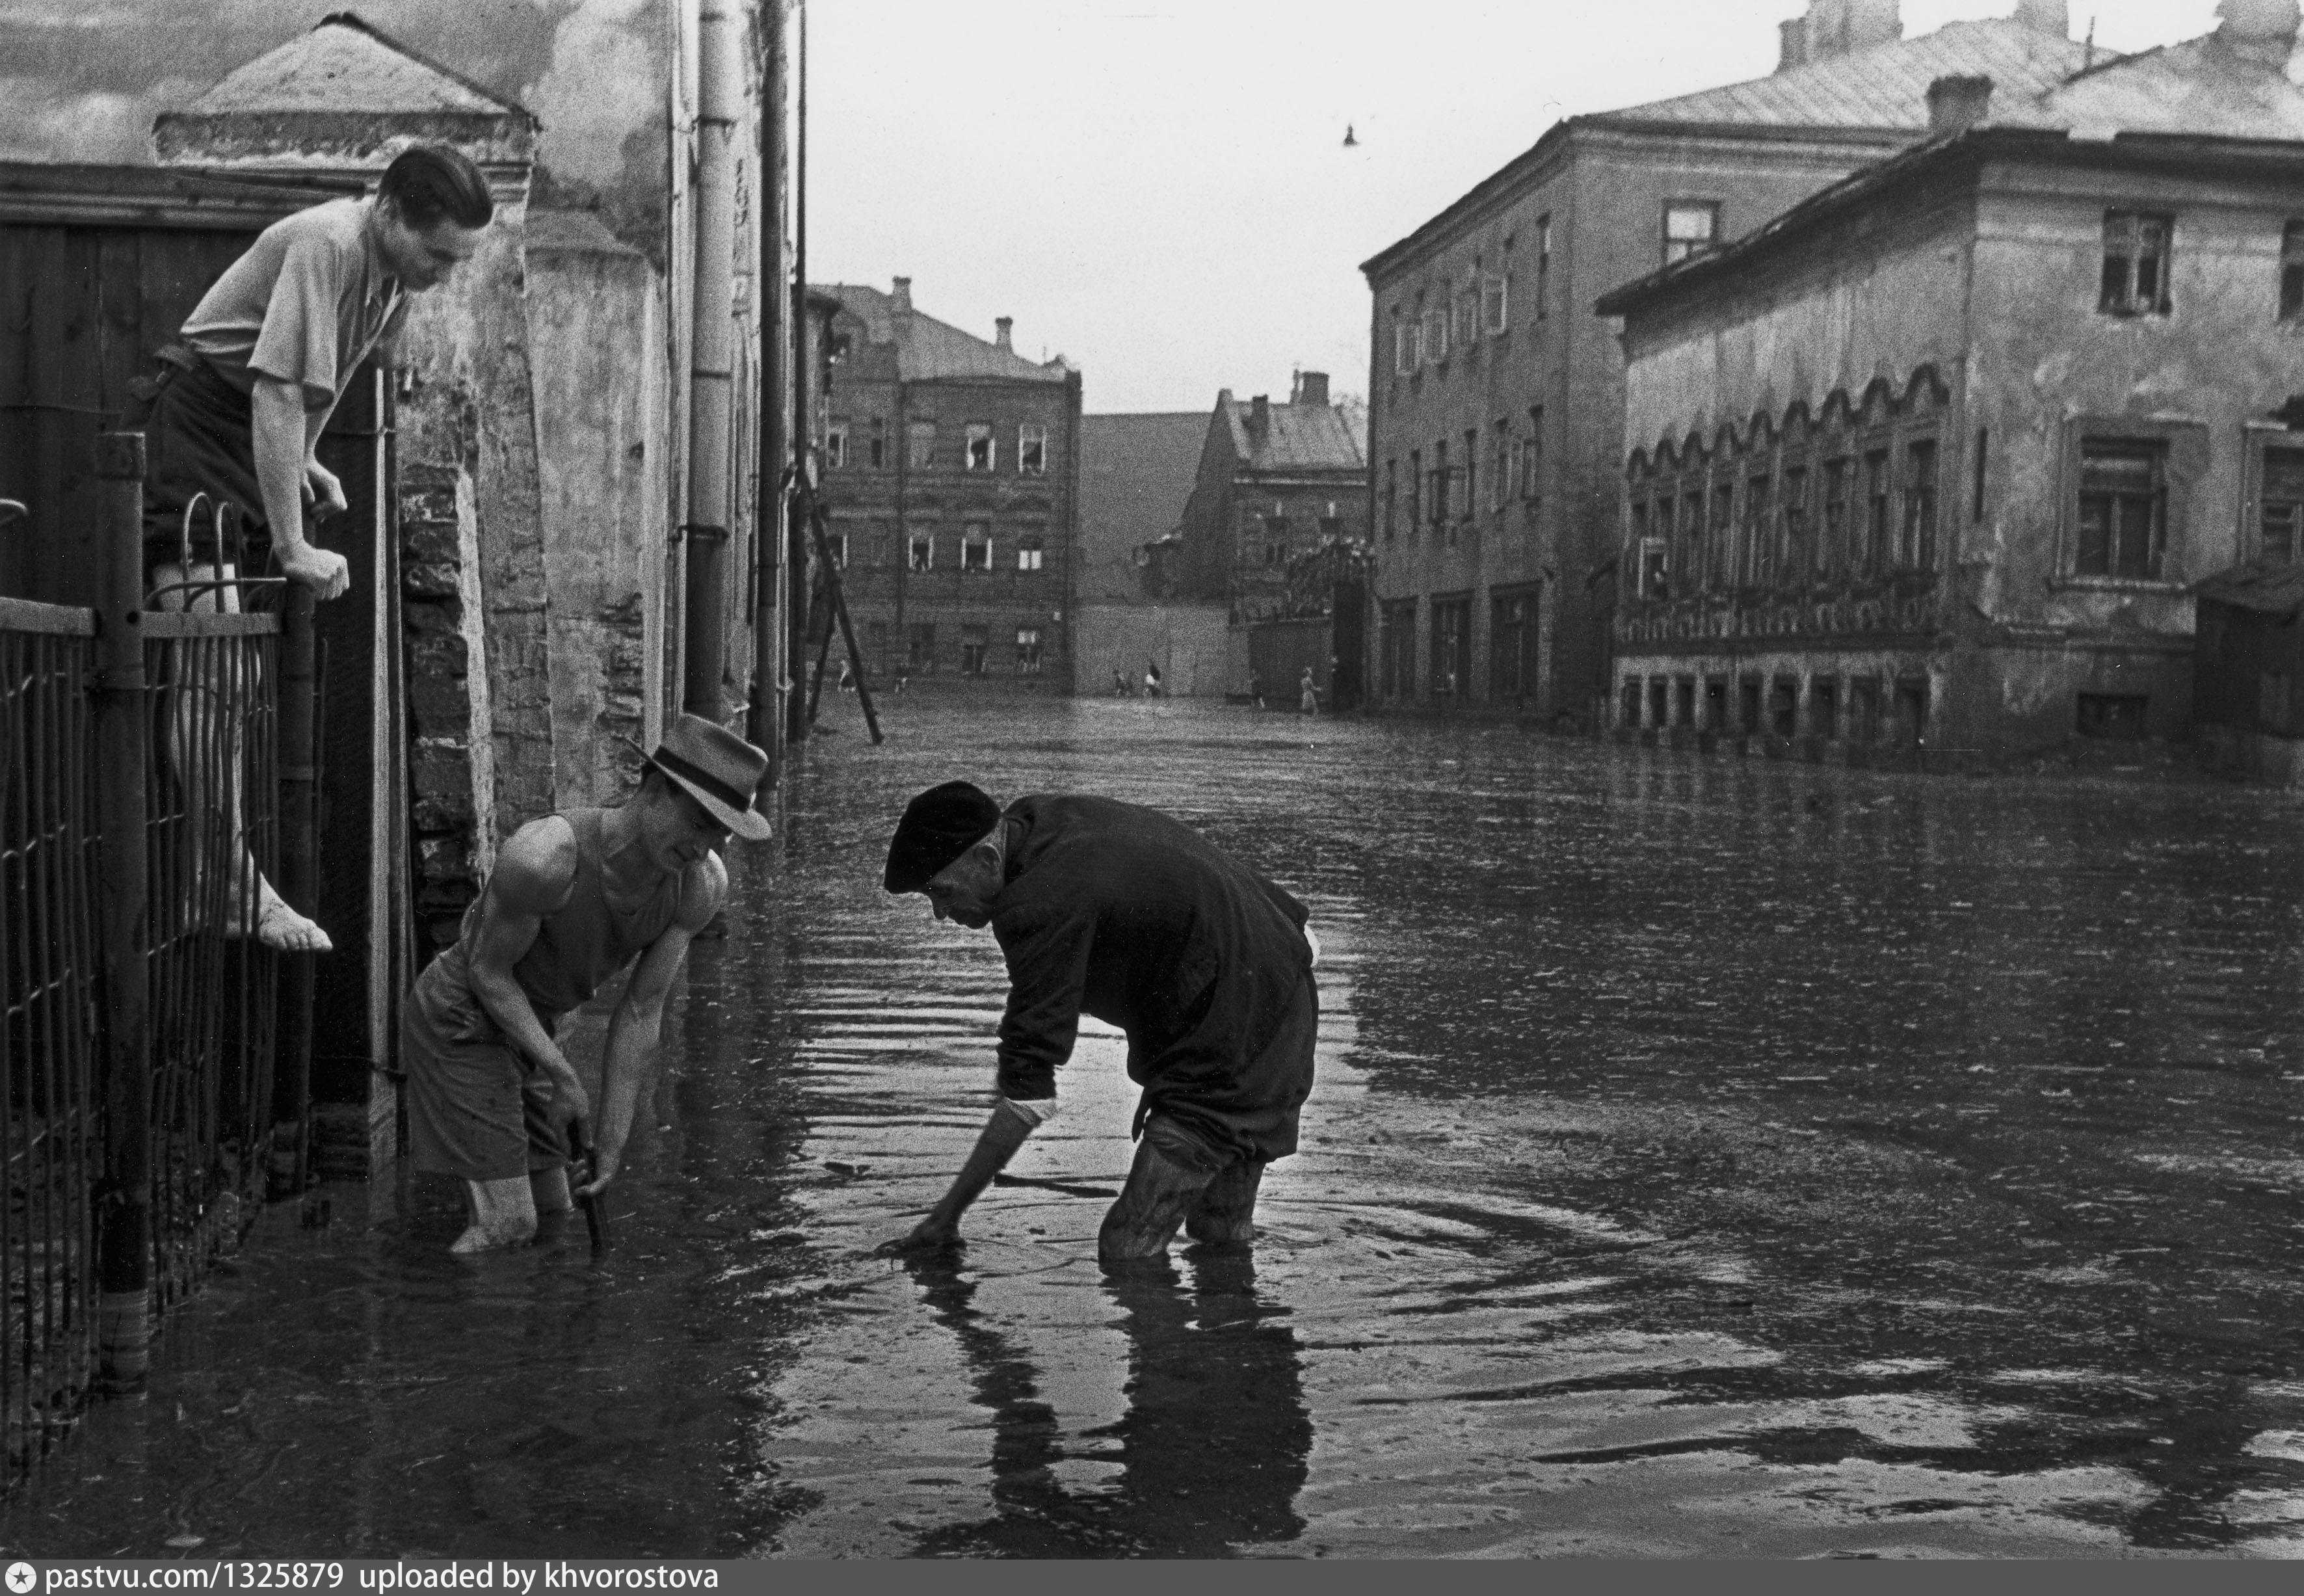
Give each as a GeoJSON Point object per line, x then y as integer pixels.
{"type": "Point", "coordinates": [1874, 22]}
{"type": "Point", "coordinates": [2262, 31]}
{"type": "Point", "coordinates": [1838, 27]}
{"type": "Point", "coordinates": [904, 296]}
{"type": "Point", "coordinates": [1957, 104]}
{"type": "Point", "coordinates": [1312, 388]}
{"type": "Point", "coordinates": [2053, 17]}
{"type": "Point", "coordinates": [1259, 416]}
{"type": "Point", "coordinates": [1006, 324]}
{"type": "Point", "coordinates": [1793, 33]}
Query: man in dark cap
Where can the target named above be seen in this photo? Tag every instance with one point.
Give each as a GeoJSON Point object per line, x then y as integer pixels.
{"type": "Point", "coordinates": [573, 899]}
{"type": "Point", "coordinates": [1113, 910]}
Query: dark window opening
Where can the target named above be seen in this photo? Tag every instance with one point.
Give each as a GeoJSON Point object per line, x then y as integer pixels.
{"type": "Point", "coordinates": [1794, 563]}
{"type": "Point", "coordinates": [1875, 551]}
{"type": "Point", "coordinates": [1715, 702]}
{"type": "Point", "coordinates": [2291, 272]}
{"type": "Point", "coordinates": [2112, 717]}
{"type": "Point", "coordinates": [2281, 506]}
{"type": "Point", "coordinates": [1659, 705]}
{"type": "Point", "coordinates": [2135, 263]}
{"type": "Point", "coordinates": [1831, 548]}
{"type": "Point", "coordinates": [1629, 711]}
{"type": "Point", "coordinates": [1824, 708]}
{"type": "Point", "coordinates": [2123, 509]}
{"type": "Point", "coordinates": [920, 646]}
{"type": "Point", "coordinates": [1983, 439]}
{"type": "Point", "coordinates": [1683, 707]}
{"type": "Point", "coordinates": [1912, 711]}
{"type": "Point", "coordinates": [1864, 710]}
{"type": "Point", "coordinates": [1748, 706]}
{"type": "Point", "coordinates": [1919, 552]}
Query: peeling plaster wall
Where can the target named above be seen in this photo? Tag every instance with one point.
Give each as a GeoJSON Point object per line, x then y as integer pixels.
{"type": "Point", "coordinates": [596, 319]}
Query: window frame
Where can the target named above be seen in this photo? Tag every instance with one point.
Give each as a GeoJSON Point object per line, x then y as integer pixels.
{"type": "Point", "coordinates": [2128, 301]}
{"type": "Point", "coordinates": [973, 433]}
{"type": "Point", "coordinates": [1032, 441]}
{"type": "Point", "coordinates": [919, 548]}
{"type": "Point", "coordinates": [919, 445]}
{"type": "Point", "coordinates": [2185, 454]}
{"type": "Point", "coordinates": [836, 446]}
{"type": "Point", "coordinates": [974, 536]}
{"type": "Point", "coordinates": [2264, 438]}
{"type": "Point", "coordinates": [1696, 247]}
{"type": "Point", "coordinates": [1032, 547]}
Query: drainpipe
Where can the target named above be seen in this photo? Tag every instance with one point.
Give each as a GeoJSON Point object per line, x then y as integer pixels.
{"type": "Point", "coordinates": [764, 725]}
{"type": "Point", "coordinates": [711, 359]}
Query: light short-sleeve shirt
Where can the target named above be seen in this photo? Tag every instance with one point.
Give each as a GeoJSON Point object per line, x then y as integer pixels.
{"type": "Point", "coordinates": [305, 304]}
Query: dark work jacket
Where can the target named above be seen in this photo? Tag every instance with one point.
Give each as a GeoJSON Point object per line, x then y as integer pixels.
{"type": "Point", "coordinates": [1117, 911]}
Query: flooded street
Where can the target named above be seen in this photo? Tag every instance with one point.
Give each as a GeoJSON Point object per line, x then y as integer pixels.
{"type": "Point", "coordinates": [1752, 1159]}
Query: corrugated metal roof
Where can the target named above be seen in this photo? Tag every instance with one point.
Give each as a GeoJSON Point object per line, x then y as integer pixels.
{"type": "Point", "coordinates": [344, 67]}
{"type": "Point", "coordinates": [1883, 87]}
{"type": "Point", "coordinates": [1299, 436]}
{"type": "Point", "coordinates": [2259, 585]}
{"type": "Point", "coordinates": [927, 349]}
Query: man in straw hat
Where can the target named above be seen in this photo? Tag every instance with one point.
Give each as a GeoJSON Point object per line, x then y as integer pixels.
{"type": "Point", "coordinates": [1116, 911]}
{"type": "Point", "coordinates": [573, 899]}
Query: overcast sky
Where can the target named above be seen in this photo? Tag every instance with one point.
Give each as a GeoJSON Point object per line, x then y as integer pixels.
{"type": "Point", "coordinates": [1159, 190]}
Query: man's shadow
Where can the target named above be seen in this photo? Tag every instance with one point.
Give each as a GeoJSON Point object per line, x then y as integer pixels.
{"type": "Point", "coordinates": [1213, 1446]}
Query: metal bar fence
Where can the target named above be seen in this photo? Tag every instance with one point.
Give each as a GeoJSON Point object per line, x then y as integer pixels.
{"type": "Point", "coordinates": [49, 1135]}
{"type": "Point", "coordinates": [212, 826]}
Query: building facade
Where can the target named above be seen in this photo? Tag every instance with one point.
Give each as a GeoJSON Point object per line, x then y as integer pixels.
{"type": "Point", "coordinates": [1931, 462]}
{"type": "Point", "coordinates": [951, 469]}
{"type": "Point", "coordinates": [1137, 472]}
{"type": "Point", "coordinates": [1275, 482]}
{"type": "Point", "coordinates": [1497, 399]}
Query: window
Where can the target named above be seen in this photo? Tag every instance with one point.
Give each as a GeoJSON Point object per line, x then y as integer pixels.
{"type": "Point", "coordinates": [1436, 333]}
{"type": "Point", "coordinates": [1397, 648]}
{"type": "Point", "coordinates": [1660, 526]}
{"type": "Point", "coordinates": [1720, 537]}
{"type": "Point", "coordinates": [1873, 550]}
{"type": "Point", "coordinates": [1391, 495]}
{"type": "Point", "coordinates": [980, 452]}
{"type": "Point", "coordinates": [972, 640]}
{"type": "Point", "coordinates": [1031, 450]}
{"type": "Point", "coordinates": [1543, 267]}
{"type": "Point", "coordinates": [835, 445]}
{"type": "Point", "coordinates": [875, 447]}
{"type": "Point", "coordinates": [1831, 548]}
{"type": "Point", "coordinates": [1468, 315]}
{"type": "Point", "coordinates": [2291, 272]}
{"type": "Point", "coordinates": [1471, 472]}
{"type": "Point", "coordinates": [1512, 645]}
{"type": "Point", "coordinates": [1452, 643]}
{"type": "Point", "coordinates": [1027, 650]}
{"type": "Point", "coordinates": [1918, 550]}
{"type": "Point", "coordinates": [1655, 568]}
{"type": "Point", "coordinates": [1795, 563]}
{"type": "Point", "coordinates": [1691, 227]}
{"type": "Point", "coordinates": [1028, 552]}
{"type": "Point", "coordinates": [1403, 344]}
{"type": "Point", "coordinates": [1759, 550]}
{"type": "Point", "coordinates": [1415, 489]}
{"type": "Point", "coordinates": [923, 550]}
{"type": "Point", "coordinates": [2123, 509]}
{"type": "Point", "coordinates": [1276, 540]}
{"type": "Point", "coordinates": [919, 447]}
{"type": "Point", "coordinates": [976, 546]}
{"type": "Point", "coordinates": [1495, 306]}
{"type": "Point", "coordinates": [920, 645]}
{"type": "Point", "coordinates": [1531, 457]}
{"type": "Point", "coordinates": [1440, 482]}
{"type": "Point", "coordinates": [837, 348]}
{"type": "Point", "coordinates": [2280, 506]}
{"type": "Point", "coordinates": [1499, 485]}
{"type": "Point", "coordinates": [2135, 263]}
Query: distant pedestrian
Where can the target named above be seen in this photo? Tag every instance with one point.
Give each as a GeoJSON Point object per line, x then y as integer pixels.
{"type": "Point", "coordinates": [1255, 690]}
{"type": "Point", "coordinates": [1151, 680]}
{"type": "Point", "coordinates": [1119, 683]}
{"type": "Point", "coordinates": [1308, 693]}
{"type": "Point", "coordinates": [1108, 909]}
{"type": "Point", "coordinates": [903, 675]}
{"type": "Point", "coordinates": [847, 678]}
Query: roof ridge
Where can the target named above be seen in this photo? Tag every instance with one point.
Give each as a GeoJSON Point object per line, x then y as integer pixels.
{"type": "Point", "coordinates": [358, 23]}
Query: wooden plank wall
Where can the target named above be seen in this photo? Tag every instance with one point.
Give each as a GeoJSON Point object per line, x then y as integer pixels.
{"type": "Point", "coordinates": [83, 309]}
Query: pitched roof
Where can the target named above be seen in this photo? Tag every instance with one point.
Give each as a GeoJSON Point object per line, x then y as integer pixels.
{"type": "Point", "coordinates": [345, 67]}
{"type": "Point", "coordinates": [1885, 86]}
{"type": "Point", "coordinates": [927, 349]}
{"type": "Point", "coordinates": [1298, 437]}
{"type": "Point", "coordinates": [2203, 86]}
{"type": "Point", "coordinates": [2259, 585]}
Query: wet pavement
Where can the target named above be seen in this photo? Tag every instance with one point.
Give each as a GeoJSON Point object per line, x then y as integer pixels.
{"type": "Point", "coordinates": [1706, 1159]}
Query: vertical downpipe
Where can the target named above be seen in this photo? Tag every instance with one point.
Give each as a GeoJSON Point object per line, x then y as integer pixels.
{"type": "Point", "coordinates": [711, 359]}
{"type": "Point", "coordinates": [804, 356]}
{"type": "Point", "coordinates": [122, 757]}
{"type": "Point", "coordinates": [764, 726]}
{"type": "Point", "coordinates": [300, 885]}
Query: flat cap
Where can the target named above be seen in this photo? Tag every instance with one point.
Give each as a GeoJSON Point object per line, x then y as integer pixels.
{"type": "Point", "coordinates": [938, 826]}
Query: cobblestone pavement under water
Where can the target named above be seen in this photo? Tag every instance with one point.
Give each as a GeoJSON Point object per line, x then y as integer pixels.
{"type": "Point", "coordinates": [1706, 1158]}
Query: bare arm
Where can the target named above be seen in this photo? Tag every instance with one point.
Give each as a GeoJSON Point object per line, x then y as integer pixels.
{"type": "Point", "coordinates": [283, 435]}
{"type": "Point", "coordinates": [628, 1067]}
{"type": "Point", "coordinates": [531, 880]}
{"type": "Point", "coordinates": [995, 1144]}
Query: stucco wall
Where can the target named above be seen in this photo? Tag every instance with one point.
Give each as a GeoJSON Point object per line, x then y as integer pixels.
{"type": "Point", "coordinates": [1187, 640]}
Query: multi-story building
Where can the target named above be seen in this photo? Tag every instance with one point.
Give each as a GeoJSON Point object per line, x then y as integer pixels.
{"type": "Point", "coordinates": [1275, 481]}
{"type": "Point", "coordinates": [1497, 398]}
{"type": "Point", "coordinates": [950, 480]}
{"type": "Point", "coordinates": [1934, 460]}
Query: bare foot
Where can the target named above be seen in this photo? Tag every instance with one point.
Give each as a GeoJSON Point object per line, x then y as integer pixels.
{"type": "Point", "coordinates": [277, 926]}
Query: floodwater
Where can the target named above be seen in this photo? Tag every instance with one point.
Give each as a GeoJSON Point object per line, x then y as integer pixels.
{"type": "Point", "coordinates": [1706, 1158]}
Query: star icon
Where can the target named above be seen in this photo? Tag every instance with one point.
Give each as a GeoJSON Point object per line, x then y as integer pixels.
{"type": "Point", "coordinates": [22, 1578]}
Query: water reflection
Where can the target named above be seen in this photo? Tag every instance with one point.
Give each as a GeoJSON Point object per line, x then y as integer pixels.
{"type": "Point", "coordinates": [1206, 1459]}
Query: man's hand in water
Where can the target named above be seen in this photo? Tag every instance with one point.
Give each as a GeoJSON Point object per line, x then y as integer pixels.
{"type": "Point", "coordinates": [604, 1167]}
{"type": "Point", "coordinates": [932, 1235]}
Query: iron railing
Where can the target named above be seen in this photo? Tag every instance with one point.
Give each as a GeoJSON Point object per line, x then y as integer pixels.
{"type": "Point", "coordinates": [49, 1135]}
